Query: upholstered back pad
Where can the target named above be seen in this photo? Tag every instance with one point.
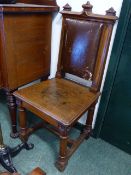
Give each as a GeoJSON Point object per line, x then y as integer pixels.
{"type": "Point", "coordinates": [80, 45]}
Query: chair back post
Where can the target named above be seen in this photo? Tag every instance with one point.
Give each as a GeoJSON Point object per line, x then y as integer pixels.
{"type": "Point", "coordinates": [108, 21]}
{"type": "Point", "coordinates": [84, 45]}
{"type": "Point", "coordinates": [59, 73]}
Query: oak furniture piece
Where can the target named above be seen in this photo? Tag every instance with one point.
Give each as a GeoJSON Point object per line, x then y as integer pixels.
{"type": "Point", "coordinates": [25, 46]}
{"type": "Point", "coordinates": [36, 171]}
{"type": "Point", "coordinates": [61, 102]}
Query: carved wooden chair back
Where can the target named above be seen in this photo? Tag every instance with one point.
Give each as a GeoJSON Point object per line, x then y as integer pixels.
{"type": "Point", "coordinates": [84, 43]}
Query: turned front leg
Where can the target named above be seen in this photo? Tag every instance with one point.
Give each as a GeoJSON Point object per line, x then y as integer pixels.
{"type": "Point", "coordinates": [12, 110]}
{"type": "Point", "coordinates": [63, 157]}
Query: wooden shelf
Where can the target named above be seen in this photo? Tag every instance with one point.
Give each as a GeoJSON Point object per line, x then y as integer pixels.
{"type": "Point", "coordinates": [41, 2]}
{"type": "Point", "coordinates": [22, 7]}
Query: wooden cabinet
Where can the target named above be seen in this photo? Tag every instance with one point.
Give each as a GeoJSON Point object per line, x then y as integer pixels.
{"type": "Point", "coordinates": [25, 47]}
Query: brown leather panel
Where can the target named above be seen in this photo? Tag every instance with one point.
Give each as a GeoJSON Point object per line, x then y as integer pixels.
{"type": "Point", "coordinates": [81, 42]}
{"type": "Point", "coordinates": [61, 99]}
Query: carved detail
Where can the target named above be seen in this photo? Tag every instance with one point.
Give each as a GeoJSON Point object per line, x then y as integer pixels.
{"type": "Point", "coordinates": [87, 7]}
{"type": "Point", "coordinates": [87, 74]}
{"type": "Point", "coordinates": [63, 129]}
{"type": "Point", "coordinates": [10, 100]}
{"type": "Point", "coordinates": [67, 7]}
{"type": "Point", "coordinates": [111, 12]}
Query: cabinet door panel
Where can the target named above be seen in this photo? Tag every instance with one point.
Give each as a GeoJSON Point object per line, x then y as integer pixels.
{"type": "Point", "coordinates": [28, 38]}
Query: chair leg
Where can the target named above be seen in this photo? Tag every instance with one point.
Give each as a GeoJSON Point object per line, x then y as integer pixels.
{"type": "Point", "coordinates": [62, 160]}
{"type": "Point", "coordinates": [88, 126]}
{"type": "Point", "coordinates": [23, 129]}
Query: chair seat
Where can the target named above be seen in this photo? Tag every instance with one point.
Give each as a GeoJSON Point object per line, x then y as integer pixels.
{"type": "Point", "coordinates": [61, 99]}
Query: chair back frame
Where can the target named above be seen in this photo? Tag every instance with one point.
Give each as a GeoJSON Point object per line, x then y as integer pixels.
{"type": "Point", "coordinates": [84, 45]}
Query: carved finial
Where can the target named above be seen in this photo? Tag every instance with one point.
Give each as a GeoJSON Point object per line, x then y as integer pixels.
{"type": "Point", "coordinates": [67, 7]}
{"type": "Point", "coordinates": [111, 12]}
{"type": "Point", "coordinates": [87, 7]}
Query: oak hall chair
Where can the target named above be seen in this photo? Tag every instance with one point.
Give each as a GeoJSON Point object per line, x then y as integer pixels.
{"type": "Point", "coordinates": [61, 102]}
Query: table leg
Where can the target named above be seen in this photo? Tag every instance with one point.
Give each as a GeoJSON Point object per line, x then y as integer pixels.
{"type": "Point", "coordinates": [12, 109]}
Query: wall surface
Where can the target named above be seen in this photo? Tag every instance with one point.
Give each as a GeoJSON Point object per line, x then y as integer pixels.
{"type": "Point", "coordinates": [98, 7]}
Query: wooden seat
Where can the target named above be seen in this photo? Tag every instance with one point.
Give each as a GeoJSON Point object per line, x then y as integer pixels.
{"type": "Point", "coordinates": [60, 102]}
